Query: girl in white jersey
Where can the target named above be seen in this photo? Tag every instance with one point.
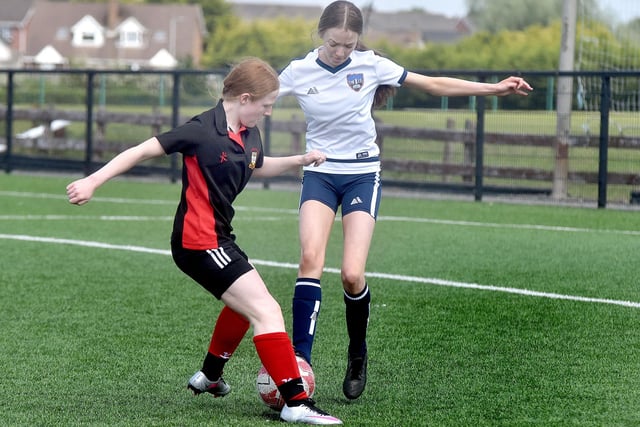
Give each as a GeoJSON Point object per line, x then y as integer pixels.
{"type": "Point", "coordinates": [337, 85]}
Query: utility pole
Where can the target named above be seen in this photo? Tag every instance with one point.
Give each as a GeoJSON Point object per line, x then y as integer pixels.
{"type": "Point", "coordinates": [564, 100]}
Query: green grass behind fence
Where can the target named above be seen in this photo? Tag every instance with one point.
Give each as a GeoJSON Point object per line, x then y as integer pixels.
{"type": "Point", "coordinates": [519, 122]}
{"type": "Point", "coordinates": [483, 314]}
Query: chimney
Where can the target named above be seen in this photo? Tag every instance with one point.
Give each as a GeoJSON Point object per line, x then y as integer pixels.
{"type": "Point", "coordinates": [112, 14]}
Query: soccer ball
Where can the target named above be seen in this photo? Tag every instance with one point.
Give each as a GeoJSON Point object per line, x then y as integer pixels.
{"type": "Point", "coordinates": [268, 391]}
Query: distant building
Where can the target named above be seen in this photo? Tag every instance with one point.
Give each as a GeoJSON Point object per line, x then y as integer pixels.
{"type": "Point", "coordinates": [409, 28]}
{"type": "Point", "coordinates": [14, 16]}
{"type": "Point", "coordinates": [254, 11]}
{"type": "Point", "coordinates": [44, 34]}
{"type": "Point", "coordinates": [414, 28]}
{"type": "Point", "coordinates": [48, 35]}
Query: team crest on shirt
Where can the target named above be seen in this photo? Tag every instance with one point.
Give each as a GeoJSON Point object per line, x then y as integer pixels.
{"type": "Point", "coordinates": [355, 81]}
{"type": "Point", "coordinates": [254, 157]}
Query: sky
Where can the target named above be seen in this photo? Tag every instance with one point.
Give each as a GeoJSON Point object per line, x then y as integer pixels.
{"type": "Point", "coordinates": [621, 9]}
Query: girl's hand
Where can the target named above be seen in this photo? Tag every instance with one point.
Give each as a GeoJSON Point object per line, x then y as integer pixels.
{"type": "Point", "coordinates": [314, 157]}
{"type": "Point", "coordinates": [80, 192]}
{"type": "Point", "coordinates": [513, 85]}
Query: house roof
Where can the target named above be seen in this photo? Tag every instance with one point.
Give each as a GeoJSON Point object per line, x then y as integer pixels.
{"type": "Point", "coordinates": [415, 25]}
{"type": "Point", "coordinates": [14, 12]}
{"type": "Point", "coordinates": [253, 11]}
{"type": "Point", "coordinates": [425, 26]}
{"type": "Point", "coordinates": [171, 27]}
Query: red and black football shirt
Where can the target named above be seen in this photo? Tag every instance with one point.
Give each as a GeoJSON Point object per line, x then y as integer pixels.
{"type": "Point", "coordinates": [216, 167]}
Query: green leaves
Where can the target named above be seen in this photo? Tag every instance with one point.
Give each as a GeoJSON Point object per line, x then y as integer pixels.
{"type": "Point", "coordinates": [276, 41]}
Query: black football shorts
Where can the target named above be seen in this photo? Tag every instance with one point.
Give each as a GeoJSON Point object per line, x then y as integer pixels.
{"type": "Point", "coordinates": [214, 269]}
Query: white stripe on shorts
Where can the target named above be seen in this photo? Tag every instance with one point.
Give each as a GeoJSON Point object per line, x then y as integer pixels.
{"type": "Point", "coordinates": [219, 256]}
{"type": "Point", "coordinates": [374, 196]}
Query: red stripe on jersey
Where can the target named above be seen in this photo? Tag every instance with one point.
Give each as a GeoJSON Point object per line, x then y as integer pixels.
{"type": "Point", "coordinates": [199, 228]}
{"type": "Point", "coordinates": [237, 137]}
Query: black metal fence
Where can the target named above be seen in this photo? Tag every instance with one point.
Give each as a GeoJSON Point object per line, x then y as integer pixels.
{"type": "Point", "coordinates": [485, 145]}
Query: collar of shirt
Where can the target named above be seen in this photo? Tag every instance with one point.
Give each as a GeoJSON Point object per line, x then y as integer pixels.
{"type": "Point", "coordinates": [220, 123]}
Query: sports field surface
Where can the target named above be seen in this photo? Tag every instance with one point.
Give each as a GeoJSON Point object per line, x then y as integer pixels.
{"type": "Point", "coordinates": [482, 314]}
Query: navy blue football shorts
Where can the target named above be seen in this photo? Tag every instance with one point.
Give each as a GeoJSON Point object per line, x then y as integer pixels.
{"type": "Point", "coordinates": [353, 192]}
{"type": "Point", "coordinates": [214, 269]}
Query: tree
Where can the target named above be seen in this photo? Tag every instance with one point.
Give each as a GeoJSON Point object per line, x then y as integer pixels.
{"type": "Point", "coordinates": [535, 48]}
{"type": "Point", "coordinates": [276, 41]}
{"type": "Point", "coordinates": [630, 31]}
{"type": "Point", "coordinates": [497, 15]}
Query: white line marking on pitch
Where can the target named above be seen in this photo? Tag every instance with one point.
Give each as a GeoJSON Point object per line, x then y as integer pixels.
{"type": "Point", "coordinates": [395, 277]}
{"type": "Point", "coordinates": [381, 218]}
{"type": "Point", "coordinates": [84, 217]}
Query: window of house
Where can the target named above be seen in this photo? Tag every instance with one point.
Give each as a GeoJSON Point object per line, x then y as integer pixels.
{"type": "Point", "coordinates": [62, 33]}
{"type": "Point", "coordinates": [130, 39]}
{"type": "Point", "coordinates": [88, 38]}
{"type": "Point", "coordinates": [87, 33]}
{"type": "Point", "coordinates": [131, 33]}
{"type": "Point", "coordinates": [160, 36]}
{"type": "Point", "coordinates": [6, 34]}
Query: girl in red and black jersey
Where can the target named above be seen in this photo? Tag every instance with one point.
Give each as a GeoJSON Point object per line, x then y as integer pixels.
{"type": "Point", "coordinates": [221, 150]}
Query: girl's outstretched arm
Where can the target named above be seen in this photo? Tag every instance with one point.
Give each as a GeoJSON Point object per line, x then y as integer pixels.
{"type": "Point", "coordinates": [80, 191]}
{"type": "Point", "coordinates": [449, 86]}
{"type": "Point", "coordinates": [274, 166]}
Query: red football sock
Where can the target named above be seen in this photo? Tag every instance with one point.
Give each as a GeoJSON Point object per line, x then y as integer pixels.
{"type": "Point", "coordinates": [228, 333]}
{"type": "Point", "coordinates": [276, 353]}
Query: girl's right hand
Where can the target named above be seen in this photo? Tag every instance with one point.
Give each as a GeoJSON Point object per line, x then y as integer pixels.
{"type": "Point", "coordinates": [80, 191]}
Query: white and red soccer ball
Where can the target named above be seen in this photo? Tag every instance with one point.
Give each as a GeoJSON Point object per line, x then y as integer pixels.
{"type": "Point", "coordinates": [268, 391]}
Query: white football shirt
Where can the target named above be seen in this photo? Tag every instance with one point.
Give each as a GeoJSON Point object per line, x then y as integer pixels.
{"type": "Point", "coordinates": [337, 106]}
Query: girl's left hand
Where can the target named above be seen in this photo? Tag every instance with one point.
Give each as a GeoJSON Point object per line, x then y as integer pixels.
{"type": "Point", "coordinates": [314, 157]}
{"type": "Point", "coordinates": [513, 85]}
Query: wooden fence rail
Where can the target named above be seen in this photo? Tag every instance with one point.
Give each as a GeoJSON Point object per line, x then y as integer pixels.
{"type": "Point", "coordinates": [296, 128]}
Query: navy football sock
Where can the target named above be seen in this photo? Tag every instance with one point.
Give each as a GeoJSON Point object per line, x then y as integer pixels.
{"type": "Point", "coordinates": [306, 307]}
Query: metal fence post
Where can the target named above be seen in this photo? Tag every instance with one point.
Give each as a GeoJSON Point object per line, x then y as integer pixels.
{"type": "Point", "coordinates": [89, 124]}
{"type": "Point", "coordinates": [9, 120]}
{"type": "Point", "coordinates": [175, 119]}
{"type": "Point", "coordinates": [480, 110]}
{"type": "Point", "coordinates": [267, 145]}
{"type": "Point", "coordinates": [605, 101]}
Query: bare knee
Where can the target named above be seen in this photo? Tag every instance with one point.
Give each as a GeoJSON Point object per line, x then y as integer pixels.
{"type": "Point", "coordinates": [311, 261]}
{"type": "Point", "coordinates": [271, 312]}
{"type": "Point", "coordinates": [352, 281]}
{"type": "Point", "coordinates": [268, 318]}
